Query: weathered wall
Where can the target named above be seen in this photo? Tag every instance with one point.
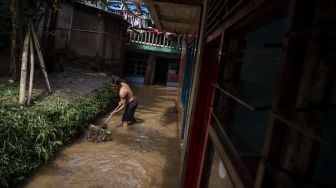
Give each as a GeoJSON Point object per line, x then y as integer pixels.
{"type": "Point", "coordinates": [64, 25]}
{"type": "Point", "coordinates": [91, 32]}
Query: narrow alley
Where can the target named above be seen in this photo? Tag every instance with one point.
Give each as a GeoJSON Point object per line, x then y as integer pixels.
{"type": "Point", "coordinates": [229, 93]}
{"type": "Point", "coordinates": [147, 154]}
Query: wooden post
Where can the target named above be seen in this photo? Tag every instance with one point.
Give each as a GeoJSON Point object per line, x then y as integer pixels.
{"type": "Point", "coordinates": [164, 40]}
{"type": "Point", "coordinates": [40, 57]}
{"type": "Point", "coordinates": [23, 77]}
{"type": "Point", "coordinates": [156, 39]}
{"type": "Point", "coordinates": [130, 36]}
{"type": "Point", "coordinates": [149, 69]}
{"type": "Point", "coordinates": [31, 77]}
{"type": "Point", "coordinates": [144, 37]}
{"type": "Point", "coordinates": [178, 42]}
{"type": "Point", "coordinates": [149, 37]}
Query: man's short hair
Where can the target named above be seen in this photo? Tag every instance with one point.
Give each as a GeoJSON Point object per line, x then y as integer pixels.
{"type": "Point", "coordinates": [115, 80]}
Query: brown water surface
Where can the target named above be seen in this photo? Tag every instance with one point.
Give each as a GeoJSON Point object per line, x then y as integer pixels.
{"type": "Point", "coordinates": [147, 154]}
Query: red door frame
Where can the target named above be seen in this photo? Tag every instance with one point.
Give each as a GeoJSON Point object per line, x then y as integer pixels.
{"type": "Point", "coordinates": [201, 116]}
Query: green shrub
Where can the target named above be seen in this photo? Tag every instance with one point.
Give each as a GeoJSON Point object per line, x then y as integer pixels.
{"type": "Point", "coordinates": [32, 135]}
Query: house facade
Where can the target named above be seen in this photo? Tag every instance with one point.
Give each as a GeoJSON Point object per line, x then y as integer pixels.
{"type": "Point", "coordinates": [152, 55]}
{"type": "Point", "coordinates": [258, 115]}
{"type": "Point", "coordinates": [100, 35]}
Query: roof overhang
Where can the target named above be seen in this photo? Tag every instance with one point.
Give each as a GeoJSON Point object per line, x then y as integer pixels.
{"type": "Point", "coordinates": [178, 16]}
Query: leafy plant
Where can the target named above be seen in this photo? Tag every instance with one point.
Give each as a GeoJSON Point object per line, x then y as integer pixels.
{"type": "Point", "coordinates": [32, 135]}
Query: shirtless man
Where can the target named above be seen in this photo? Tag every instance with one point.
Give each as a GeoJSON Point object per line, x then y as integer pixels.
{"type": "Point", "coordinates": [127, 101]}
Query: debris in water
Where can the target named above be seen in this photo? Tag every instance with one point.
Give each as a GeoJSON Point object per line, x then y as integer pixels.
{"type": "Point", "coordinates": [98, 134]}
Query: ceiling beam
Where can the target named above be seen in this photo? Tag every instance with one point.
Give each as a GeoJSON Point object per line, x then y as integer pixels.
{"type": "Point", "coordinates": [176, 3]}
{"type": "Point", "coordinates": [176, 19]}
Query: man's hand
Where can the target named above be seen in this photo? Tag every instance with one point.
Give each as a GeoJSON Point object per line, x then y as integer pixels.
{"type": "Point", "coordinates": [113, 113]}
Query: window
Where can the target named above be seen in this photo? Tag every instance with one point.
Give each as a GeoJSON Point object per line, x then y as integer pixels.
{"type": "Point", "coordinates": [136, 64]}
{"type": "Point", "coordinates": [140, 68]}
{"type": "Point", "coordinates": [174, 66]}
{"type": "Point", "coordinates": [244, 90]}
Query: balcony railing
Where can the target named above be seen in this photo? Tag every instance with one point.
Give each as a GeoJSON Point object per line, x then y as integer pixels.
{"type": "Point", "coordinates": [137, 20]}
{"type": "Point", "coordinates": [153, 39]}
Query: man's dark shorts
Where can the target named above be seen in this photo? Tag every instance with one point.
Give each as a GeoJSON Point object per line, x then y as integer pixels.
{"type": "Point", "coordinates": [129, 111]}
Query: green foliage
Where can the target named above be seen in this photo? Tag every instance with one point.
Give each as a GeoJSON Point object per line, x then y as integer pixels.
{"type": "Point", "coordinates": [32, 135]}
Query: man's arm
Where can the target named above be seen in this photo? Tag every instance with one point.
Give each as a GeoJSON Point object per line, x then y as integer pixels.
{"type": "Point", "coordinates": [122, 103]}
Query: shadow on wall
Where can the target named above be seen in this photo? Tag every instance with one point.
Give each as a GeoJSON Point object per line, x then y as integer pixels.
{"type": "Point", "coordinates": [4, 62]}
{"type": "Point", "coordinates": [62, 60]}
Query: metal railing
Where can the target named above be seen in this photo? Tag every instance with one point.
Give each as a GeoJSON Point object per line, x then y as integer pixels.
{"type": "Point", "coordinates": [142, 20]}
{"type": "Point", "coordinates": [136, 21]}
{"type": "Point", "coordinates": [153, 39]}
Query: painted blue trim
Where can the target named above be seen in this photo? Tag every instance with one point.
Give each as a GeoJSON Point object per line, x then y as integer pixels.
{"type": "Point", "coordinates": [187, 81]}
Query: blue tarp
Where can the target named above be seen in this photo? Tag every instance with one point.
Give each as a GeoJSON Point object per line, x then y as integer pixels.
{"type": "Point", "coordinates": [144, 9]}
{"type": "Point", "coordinates": [131, 6]}
{"type": "Point", "coordinates": [115, 5]}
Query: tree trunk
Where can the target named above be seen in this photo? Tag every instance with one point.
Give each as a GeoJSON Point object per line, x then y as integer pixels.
{"type": "Point", "coordinates": [13, 65]}
{"type": "Point", "coordinates": [23, 77]}
{"type": "Point", "coordinates": [31, 76]}
{"type": "Point", "coordinates": [40, 57]}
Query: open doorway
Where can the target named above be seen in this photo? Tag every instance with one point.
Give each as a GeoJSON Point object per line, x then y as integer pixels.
{"type": "Point", "coordinates": [161, 70]}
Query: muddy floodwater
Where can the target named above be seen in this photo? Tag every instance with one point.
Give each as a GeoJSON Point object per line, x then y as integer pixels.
{"type": "Point", "coordinates": [147, 154]}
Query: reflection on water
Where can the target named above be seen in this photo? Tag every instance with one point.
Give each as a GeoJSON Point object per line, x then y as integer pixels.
{"type": "Point", "coordinates": [218, 175]}
{"type": "Point", "coordinates": [145, 155]}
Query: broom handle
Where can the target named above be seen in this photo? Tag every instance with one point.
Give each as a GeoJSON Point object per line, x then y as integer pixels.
{"type": "Point", "coordinates": [111, 114]}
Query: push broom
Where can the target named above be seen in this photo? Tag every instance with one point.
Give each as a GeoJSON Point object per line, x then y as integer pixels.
{"type": "Point", "coordinates": [101, 130]}
{"type": "Point", "coordinates": [110, 116]}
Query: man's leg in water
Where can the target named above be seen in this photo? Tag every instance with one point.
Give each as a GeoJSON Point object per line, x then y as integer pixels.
{"type": "Point", "coordinates": [124, 124]}
{"type": "Point", "coordinates": [133, 120]}
{"type": "Point", "coordinates": [126, 116]}
{"type": "Point", "coordinates": [124, 121]}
